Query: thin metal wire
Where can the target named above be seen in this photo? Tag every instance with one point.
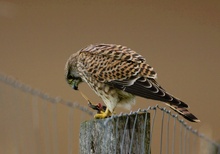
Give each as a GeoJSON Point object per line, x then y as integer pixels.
{"type": "Point", "coordinates": [36, 124]}
{"type": "Point", "coordinates": [145, 125]}
{"type": "Point", "coordinates": [152, 127]}
{"type": "Point", "coordinates": [54, 130]}
{"type": "Point", "coordinates": [161, 132]}
{"type": "Point", "coordinates": [180, 144]}
{"type": "Point", "coordinates": [46, 127]}
{"type": "Point", "coordinates": [188, 141]}
{"type": "Point", "coordinates": [184, 141]}
{"type": "Point", "coordinates": [132, 135]}
{"type": "Point", "coordinates": [174, 132]}
{"type": "Point", "coordinates": [17, 136]}
{"type": "Point", "coordinates": [195, 138]}
{"type": "Point", "coordinates": [168, 133]}
{"type": "Point", "coordinates": [70, 131]}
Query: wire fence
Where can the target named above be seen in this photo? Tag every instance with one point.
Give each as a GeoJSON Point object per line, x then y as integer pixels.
{"type": "Point", "coordinates": [34, 122]}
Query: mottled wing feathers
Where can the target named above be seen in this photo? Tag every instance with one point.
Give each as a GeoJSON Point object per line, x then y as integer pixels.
{"type": "Point", "coordinates": [107, 62]}
{"type": "Point", "coordinates": [114, 51]}
{"type": "Point", "coordinates": [124, 69]}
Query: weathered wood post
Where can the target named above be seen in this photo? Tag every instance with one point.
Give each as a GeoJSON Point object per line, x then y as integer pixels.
{"type": "Point", "coordinates": [129, 134]}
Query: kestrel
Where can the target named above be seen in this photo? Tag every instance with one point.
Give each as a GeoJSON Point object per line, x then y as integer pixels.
{"type": "Point", "coordinates": [117, 74]}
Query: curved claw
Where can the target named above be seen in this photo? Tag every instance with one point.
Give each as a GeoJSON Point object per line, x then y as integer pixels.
{"type": "Point", "coordinates": [102, 114]}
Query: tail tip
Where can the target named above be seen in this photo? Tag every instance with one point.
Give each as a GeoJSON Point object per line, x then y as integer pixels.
{"type": "Point", "coordinates": [196, 120]}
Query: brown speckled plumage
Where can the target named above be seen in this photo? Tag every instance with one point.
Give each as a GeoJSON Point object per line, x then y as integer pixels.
{"type": "Point", "coordinates": [117, 74]}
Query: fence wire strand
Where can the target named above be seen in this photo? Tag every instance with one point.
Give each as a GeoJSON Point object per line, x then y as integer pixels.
{"type": "Point", "coordinates": [167, 133]}
{"type": "Point", "coordinates": [187, 140]}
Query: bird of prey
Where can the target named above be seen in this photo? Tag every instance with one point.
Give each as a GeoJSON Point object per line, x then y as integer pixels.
{"type": "Point", "coordinates": [117, 74]}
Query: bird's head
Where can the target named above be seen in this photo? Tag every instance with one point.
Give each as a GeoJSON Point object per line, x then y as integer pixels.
{"type": "Point", "coordinates": [73, 81]}
{"type": "Point", "coordinates": [72, 75]}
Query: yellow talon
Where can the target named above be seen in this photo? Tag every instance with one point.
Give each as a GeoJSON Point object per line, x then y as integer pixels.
{"type": "Point", "coordinates": [102, 114]}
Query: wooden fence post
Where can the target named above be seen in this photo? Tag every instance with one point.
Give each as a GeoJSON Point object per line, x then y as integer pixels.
{"type": "Point", "coordinates": [116, 135]}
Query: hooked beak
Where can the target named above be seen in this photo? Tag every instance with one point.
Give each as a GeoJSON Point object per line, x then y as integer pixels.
{"type": "Point", "coordinates": [75, 87]}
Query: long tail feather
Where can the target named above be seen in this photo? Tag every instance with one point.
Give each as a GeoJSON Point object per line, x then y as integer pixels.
{"type": "Point", "coordinates": [184, 112]}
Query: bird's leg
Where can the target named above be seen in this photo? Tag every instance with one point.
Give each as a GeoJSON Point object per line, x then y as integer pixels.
{"type": "Point", "coordinates": [102, 114]}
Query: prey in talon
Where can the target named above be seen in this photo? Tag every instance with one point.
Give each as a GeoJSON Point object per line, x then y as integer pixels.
{"type": "Point", "coordinates": [102, 111]}
{"type": "Point", "coordinates": [99, 107]}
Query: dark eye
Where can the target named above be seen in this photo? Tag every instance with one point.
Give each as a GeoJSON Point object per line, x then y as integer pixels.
{"type": "Point", "coordinates": [69, 79]}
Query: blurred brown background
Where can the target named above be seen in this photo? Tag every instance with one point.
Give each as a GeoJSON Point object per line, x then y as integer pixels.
{"type": "Point", "coordinates": [181, 40]}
